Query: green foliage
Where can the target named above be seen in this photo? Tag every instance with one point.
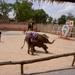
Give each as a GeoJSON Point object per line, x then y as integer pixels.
{"type": "Point", "coordinates": [0, 16]}
{"type": "Point", "coordinates": [23, 10]}
{"type": "Point", "coordinates": [70, 16]}
{"type": "Point", "coordinates": [50, 19]}
{"type": "Point", "coordinates": [5, 8]}
{"type": "Point", "coordinates": [54, 21]}
{"type": "Point", "coordinates": [62, 20]}
{"type": "Point", "coordinates": [40, 16]}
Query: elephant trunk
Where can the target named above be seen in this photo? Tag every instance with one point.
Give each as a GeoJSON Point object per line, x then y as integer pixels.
{"type": "Point", "coordinates": [52, 42]}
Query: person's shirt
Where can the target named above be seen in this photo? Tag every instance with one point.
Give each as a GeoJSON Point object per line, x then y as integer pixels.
{"type": "Point", "coordinates": [34, 35]}
{"type": "Point", "coordinates": [33, 38]}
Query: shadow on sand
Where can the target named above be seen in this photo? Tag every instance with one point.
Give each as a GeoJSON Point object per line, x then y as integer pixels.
{"type": "Point", "coordinates": [1, 42]}
{"type": "Point", "coordinates": [41, 73]}
{"type": "Point", "coordinates": [39, 51]}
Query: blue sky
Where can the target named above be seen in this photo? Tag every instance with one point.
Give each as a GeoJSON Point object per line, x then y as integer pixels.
{"type": "Point", "coordinates": [53, 9]}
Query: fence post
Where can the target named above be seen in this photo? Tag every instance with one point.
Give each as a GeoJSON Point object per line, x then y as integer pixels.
{"type": "Point", "coordinates": [73, 61]}
{"type": "Point", "coordinates": [21, 68]}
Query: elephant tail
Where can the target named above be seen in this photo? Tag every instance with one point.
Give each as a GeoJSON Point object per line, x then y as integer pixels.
{"type": "Point", "coordinates": [53, 41]}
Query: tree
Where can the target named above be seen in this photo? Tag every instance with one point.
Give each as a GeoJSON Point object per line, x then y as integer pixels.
{"type": "Point", "coordinates": [62, 20]}
{"type": "Point", "coordinates": [5, 8]}
{"type": "Point", "coordinates": [54, 21]}
{"type": "Point", "coordinates": [40, 16]}
{"type": "Point", "coordinates": [0, 16]}
{"type": "Point", "coordinates": [23, 10]}
{"type": "Point", "coordinates": [50, 19]}
{"type": "Point", "coordinates": [70, 16]}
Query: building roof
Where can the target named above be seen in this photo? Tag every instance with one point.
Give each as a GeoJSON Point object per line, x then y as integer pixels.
{"type": "Point", "coordinates": [30, 21]}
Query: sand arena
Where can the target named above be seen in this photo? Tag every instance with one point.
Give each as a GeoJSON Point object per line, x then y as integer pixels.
{"type": "Point", "coordinates": [10, 50]}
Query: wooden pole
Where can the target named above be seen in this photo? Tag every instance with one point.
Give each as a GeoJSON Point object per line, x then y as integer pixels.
{"type": "Point", "coordinates": [73, 61]}
{"type": "Point", "coordinates": [22, 69]}
{"type": "Point", "coordinates": [37, 60]}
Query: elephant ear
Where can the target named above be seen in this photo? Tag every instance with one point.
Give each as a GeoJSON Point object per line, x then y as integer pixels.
{"type": "Point", "coordinates": [42, 38]}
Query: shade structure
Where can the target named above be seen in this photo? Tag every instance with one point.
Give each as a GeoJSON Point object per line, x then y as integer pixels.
{"type": "Point", "coordinates": [30, 21]}
{"type": "Point", "coordinates": [73, 1]}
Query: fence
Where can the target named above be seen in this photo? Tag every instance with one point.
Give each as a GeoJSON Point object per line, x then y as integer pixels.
{"type": "Point", "coordinates": [53, 29]}
{"type": "Point", "coordinates": [37, 60]}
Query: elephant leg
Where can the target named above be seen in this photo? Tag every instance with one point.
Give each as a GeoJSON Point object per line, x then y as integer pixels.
{"type": "Point", "coordinates": [45, 48]}
{"type": "Point", "coordinates": [32, 49]}
{"type": "Point", "coordinates": [28, 49]}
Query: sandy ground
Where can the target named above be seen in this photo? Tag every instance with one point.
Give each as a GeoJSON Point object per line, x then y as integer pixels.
{"type": "Point", "coordinates": [10, 50]}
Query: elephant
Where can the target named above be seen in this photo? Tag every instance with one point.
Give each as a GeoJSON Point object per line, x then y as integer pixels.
{"type": "Point", "coordinates": [42, 39]}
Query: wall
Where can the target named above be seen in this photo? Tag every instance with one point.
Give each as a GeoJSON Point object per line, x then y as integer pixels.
{"type": "Point", "coordinates": [19, 27]}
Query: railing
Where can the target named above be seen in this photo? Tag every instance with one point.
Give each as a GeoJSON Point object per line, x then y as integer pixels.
{"type": "Point", "coordinates": [37, 60]}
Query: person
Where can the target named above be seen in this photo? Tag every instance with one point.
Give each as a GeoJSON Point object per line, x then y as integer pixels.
{"type": "Point", "coordinates": [24, 31]}
{"type": "Point", "coordinates": [32, 37]}
{"type": "Point", "coordinates": [32, 40]}
{"type": "Point", "coordinates": [0, 35]}
{"type": "Point", "coordinates": [29, 26]}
